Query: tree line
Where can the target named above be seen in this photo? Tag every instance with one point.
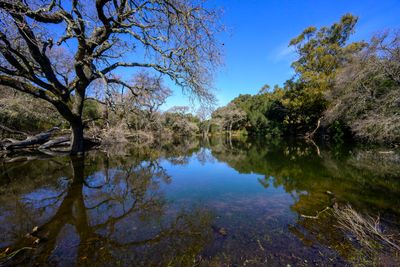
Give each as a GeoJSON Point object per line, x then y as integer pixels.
{"type": "Point", "coordinates": [59, 66]}
{"type": "Point", "coordinates": [125, 117]}
{"type": "Point", "coordinates": [340, 88]}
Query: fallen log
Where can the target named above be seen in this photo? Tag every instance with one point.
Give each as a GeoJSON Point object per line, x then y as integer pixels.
{"type": "Point", "coordinates": [31, 140]}
{"type": "Point", "coordinates": [7, 141]}
{"type": "Point", "coordinates": [63, 140]}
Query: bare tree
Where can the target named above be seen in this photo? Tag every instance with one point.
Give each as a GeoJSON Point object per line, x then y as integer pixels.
{"type": "Point", "coordinates": [367, 91]}
{"type": "Point", "coordinates": [55, 50]}
{"type": "Point", "coordinates": [149, 95]}
{"type": "Point", "coordinates": [229, 116]}
{"type": "Point", "coordinates": [180, 110]}
{"type": "Point", "coordinates": [181, 121]}
{"type": "Point", "coordinates": [204, 114]}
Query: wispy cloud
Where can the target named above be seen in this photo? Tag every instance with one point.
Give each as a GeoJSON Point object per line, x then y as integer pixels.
{"type": "Point", "coordinates": [283, 53]}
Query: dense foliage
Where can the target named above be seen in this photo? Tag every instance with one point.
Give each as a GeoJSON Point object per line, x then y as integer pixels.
{"type": "Point", "coordinates": [339, 87]}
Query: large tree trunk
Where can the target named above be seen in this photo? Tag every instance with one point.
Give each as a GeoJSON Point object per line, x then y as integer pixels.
{"type": "Point", "coordinates": [230, 132]}
{"type": "Point", "coordinates": [77, 139]}
{"type": "Point", "coordinates": [73, 114]}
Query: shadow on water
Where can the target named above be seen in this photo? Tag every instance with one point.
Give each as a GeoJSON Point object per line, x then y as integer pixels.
{"type": "Point", "coordinates": [236, 202]}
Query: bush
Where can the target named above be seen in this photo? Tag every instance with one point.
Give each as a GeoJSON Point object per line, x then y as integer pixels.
{"type": "Point", "coordinates": [27, 114]}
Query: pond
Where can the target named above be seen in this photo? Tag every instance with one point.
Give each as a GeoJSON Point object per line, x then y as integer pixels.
{"type": "Point", "coordinates": [195, 202]}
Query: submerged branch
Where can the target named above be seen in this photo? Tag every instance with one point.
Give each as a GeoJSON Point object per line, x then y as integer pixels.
{"type": "Point", "coordinates": [317, 215]}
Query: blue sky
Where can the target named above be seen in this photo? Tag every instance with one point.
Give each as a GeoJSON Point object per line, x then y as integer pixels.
{"type": "Point", "coordinates": [255, 45]}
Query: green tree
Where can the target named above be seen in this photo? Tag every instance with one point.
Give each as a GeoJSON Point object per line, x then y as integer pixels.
{"type": "Point", "coordinates": [321, 52]}
{"type": "Point", "coordinates": [260, 109]}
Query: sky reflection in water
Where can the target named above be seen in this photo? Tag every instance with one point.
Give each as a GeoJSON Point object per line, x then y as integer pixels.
{"type": "Point", "coordinates": [193, 202]}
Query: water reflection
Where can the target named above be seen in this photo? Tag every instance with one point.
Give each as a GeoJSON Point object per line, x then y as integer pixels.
{"type": "Point", "coordinates": [368, 179]}
{"type": "Point", "coordinates": [193, 202]}
{"type": "Point", "coordinates": [102, 210]}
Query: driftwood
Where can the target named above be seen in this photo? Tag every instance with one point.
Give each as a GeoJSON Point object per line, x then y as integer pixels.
{"type": "Point", "coordinates": [44, 143]}
{"type": "Point", "coordinates": [311, 135]}
{"type": "Point", "coordinates": [63, 140]}
{"type": "Point", "coordinates": [333, 205]}
{"type": "Point", "coordinates": [317, 215]}
{"type": "Point", "coordinates": [30, 140]}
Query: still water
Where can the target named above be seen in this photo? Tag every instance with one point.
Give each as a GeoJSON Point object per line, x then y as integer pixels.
{"type": "Point", "coordinates": [194, 203]}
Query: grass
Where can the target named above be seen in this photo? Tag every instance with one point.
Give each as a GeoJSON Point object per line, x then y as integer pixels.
{"type": "Point", "coordinates": [376, 243]}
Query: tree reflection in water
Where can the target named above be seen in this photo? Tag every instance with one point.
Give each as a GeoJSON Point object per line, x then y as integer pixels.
{"type": "Point", "coordinates": [123, 207]}
{"type": "Point", "coordinates": [117, 215]}
{"type": "Point", "coordinates": [317, 179]}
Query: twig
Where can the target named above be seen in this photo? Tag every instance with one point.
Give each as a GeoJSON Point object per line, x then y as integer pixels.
{"type": "Point", "coordinates": [316, 216]}
{"type": "Point", "coordinates": [8, 257]}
